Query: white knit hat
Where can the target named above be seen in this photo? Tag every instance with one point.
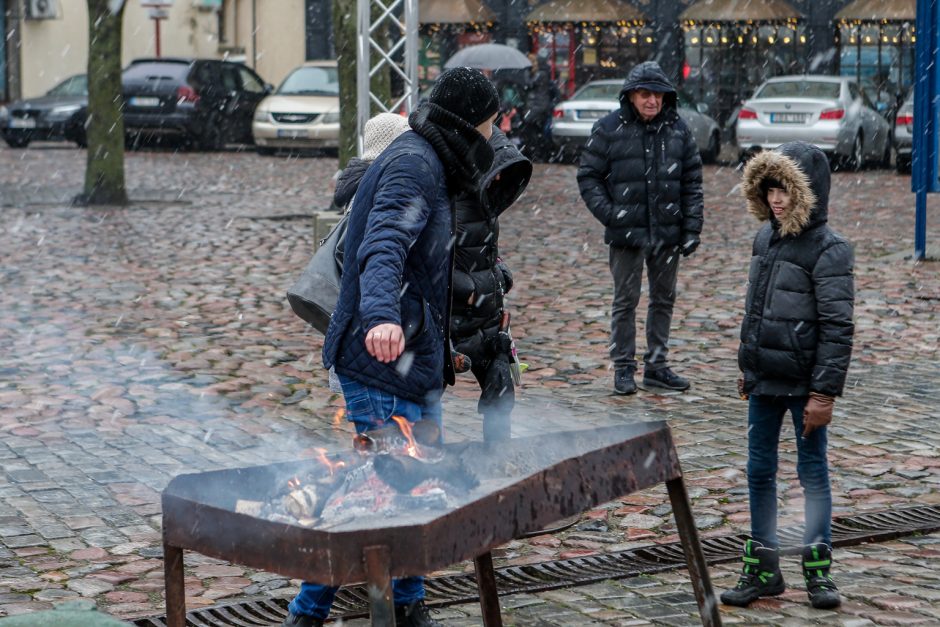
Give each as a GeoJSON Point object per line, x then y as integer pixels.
{"type": "Point", "coordinates": [381, 130]}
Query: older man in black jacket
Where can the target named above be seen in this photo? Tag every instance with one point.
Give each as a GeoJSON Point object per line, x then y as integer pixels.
{"type": "Point", "coordinates": [641, 177]}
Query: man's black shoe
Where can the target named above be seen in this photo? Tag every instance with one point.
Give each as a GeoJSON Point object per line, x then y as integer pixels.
{"type": "Point", "coordinates": [297, 620]}
{"type": "Point", "coordinates": [623, 381]}
{"type": "Point", "coordinates": [666, 379]}
{"type": "Point", "coordinates": [414, 614]}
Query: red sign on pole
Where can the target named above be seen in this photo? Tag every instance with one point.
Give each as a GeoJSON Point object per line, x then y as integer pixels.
{"type": "Point", "coordinates": [158, 10]}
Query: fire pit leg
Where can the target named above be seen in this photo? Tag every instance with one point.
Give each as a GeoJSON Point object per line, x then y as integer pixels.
{"type": "Point", "coordinates": [486, 584]}
{"type": "Point", "coordinates": [698, 568]}
{"type": "Point", "coordinates": [173, 582]}
{"type": "Point", "coordinates": [378, 562]}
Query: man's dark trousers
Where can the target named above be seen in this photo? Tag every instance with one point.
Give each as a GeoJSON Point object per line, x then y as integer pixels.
{"type": "Point", "coordinates": [626, 266]}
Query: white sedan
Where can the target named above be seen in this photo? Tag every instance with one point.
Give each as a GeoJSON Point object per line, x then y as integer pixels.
{"type": "Point", "coordinates": [828, 111]}
{"type": "Point", "coordinates": [302, 113]}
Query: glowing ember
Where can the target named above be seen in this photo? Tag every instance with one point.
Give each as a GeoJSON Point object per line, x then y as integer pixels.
{"type": "Point", "coordinates": [293, 483]}
{"type": "Point", "coordinates": [338, 417]}
{"type": "Point", "coordinates": [405, 426]}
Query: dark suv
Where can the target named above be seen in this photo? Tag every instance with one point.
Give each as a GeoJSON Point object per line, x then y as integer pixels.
{"type": "Point", "coordinates": [205, 102]}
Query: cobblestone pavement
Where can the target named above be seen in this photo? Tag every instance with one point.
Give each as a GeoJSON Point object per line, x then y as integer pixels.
{"type": "Point", "coordinates": [142, 342]}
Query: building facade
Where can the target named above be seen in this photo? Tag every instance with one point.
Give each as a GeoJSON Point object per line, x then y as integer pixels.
{"type": "Point", "coordinates": [719, 50]}
{"type": "Point", "coordinates": [39, 50]}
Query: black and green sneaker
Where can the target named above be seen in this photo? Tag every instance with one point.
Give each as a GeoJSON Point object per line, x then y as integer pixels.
{"type": "Point", "coordinates": [760, 577]}
{"type": "Point", "coordinates": [817, 560]}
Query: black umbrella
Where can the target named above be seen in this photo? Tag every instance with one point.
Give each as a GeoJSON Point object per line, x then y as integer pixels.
{"type": "Point", "coordinates": [489, 57]}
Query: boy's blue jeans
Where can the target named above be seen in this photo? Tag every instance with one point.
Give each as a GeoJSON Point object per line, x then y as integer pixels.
{"type": "Point", "coordinates": [369, 408]}
{"type": "Point", "coordinates": [765, 418]}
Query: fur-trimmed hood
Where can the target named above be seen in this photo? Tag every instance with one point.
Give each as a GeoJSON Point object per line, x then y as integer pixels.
{"type": "Point", "coordinates": [804, 172]}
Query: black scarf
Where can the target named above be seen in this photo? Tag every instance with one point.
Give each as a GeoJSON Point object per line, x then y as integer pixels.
{"type": "Point", "coordinates": [464, 152]}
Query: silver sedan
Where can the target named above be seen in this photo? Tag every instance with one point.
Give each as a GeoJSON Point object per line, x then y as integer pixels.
{"type": "Point", "coordinates": [904, 134]}
{"type": "Point", "coordinates": [828, 111]}
{"type": "Point", "coordinates": [573, 119]}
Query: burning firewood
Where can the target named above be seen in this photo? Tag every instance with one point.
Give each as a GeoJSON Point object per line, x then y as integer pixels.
{"type": "Point", "coordinates": [302, 502]}
{"type": "Point", "coordinates": [404, 473]}
{"type": "Point", "coordinates": [249, 508]}
{"type": "Point", "coordinates": [426, 433]}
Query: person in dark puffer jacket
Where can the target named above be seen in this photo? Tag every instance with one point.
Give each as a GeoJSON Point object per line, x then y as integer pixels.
{"type": "Point", "coordinates": [481, 280]}
{"type": "Point", "coordinates": [388, 338]}
{"type": "Point", "coordinates": [796, 344]}
{"type": "Point", "coordinates": [641, 177]}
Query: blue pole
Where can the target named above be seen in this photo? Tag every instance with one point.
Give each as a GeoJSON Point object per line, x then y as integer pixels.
{"type": "Point", "coordinates": [924, 157]}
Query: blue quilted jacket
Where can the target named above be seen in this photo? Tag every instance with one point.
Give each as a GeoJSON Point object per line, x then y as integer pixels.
{"type": "Point", "coordinates": [398, 265]}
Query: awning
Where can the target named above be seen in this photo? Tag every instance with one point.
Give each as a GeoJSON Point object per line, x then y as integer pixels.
{"type": "Point", "coordinates": [877, 10]}
{"type": "Point", "coordinates": [453, 12]}
{"type": "Point", "coordinates": [585, 11]}
{"type": "Point", "coordinates": [740, 11]}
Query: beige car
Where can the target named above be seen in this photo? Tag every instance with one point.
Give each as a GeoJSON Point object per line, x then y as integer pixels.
{"type": "Point", "coordinates": [302, 113]}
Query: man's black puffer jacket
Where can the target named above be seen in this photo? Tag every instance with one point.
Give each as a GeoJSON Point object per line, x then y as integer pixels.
{"type": "Point", "coordinates": [480, 280]}
{"type": "Point", "coordinates": [796, 336]}
{"type": "Point", "coordinates": [643, 180]}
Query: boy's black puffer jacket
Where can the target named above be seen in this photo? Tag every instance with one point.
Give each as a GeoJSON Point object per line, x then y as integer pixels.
{"type": "Point", "coordinates": [796, 336]}
{"type": "Point", "coordinates": [480, 280]}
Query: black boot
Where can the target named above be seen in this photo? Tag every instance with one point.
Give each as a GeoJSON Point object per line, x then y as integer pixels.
{"type": "Point", "coordinates": [760, 577]}
{"type": "Point", "coordinates": [296, 620]}
{"type": "Point", "coordinates": [414, 614]}
{"type": "Point", "coordinates": [823, 594]}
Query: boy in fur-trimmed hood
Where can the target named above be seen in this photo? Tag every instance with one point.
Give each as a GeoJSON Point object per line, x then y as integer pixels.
{"type": "Point", "coordinates": [796, 343]}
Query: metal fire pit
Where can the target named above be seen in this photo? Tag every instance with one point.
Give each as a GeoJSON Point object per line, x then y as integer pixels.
{"type": "Point", "coordinates": [525, 484]}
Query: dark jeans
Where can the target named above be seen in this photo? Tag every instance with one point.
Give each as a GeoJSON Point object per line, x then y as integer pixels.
{"type": "Point", "coordinates": [369, 408]}
{"type": "Point", "coordinates": [626, 266]}
{"type": "Point", "coordinates": [765, 418]}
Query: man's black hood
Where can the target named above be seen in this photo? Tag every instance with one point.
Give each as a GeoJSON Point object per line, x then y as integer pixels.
{"type": "Point", "coordinates": [514, 172]}
{"type": "Point", "coordinates": [648, 75]}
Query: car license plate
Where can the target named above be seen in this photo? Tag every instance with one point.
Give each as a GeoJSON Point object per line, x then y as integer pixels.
{"type": "Point", "coordinates": [591, 114]}
{"type": "Point", "coordinates": [291, 133]}
{"type": "Point", "coordinates": [787, 118]}
{"type": "Point", "coordinates": [144, 101]}
{"type": "Point", "coordinates": [21, 123]}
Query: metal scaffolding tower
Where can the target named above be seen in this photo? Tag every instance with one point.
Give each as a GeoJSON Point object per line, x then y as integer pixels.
{"type": "Point", "coordinates": [400, 18]}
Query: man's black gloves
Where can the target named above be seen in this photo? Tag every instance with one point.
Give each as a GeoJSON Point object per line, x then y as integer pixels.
{"type": "Point", "coordinates": [689, 244]}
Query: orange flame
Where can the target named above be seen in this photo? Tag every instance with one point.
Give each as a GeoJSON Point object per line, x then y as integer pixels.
{"type": "Point", "coordinates": [338, 417]}
{"type": "Point", "coordinates": [293, 483]}
{"type": "Point", "coordinates": [333, 466]}
{"type": "Point", "coordinates": [405, 426]}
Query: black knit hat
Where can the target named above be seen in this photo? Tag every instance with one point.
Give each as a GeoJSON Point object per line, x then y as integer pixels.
{"type": "Point", "coordinates": [466, 93]}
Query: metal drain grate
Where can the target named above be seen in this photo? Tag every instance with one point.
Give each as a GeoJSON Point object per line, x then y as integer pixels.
{"type": "Point", "coordinates": [352, 601]}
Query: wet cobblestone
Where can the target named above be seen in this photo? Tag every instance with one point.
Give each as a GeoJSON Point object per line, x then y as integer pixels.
{"type": "Point", "coordinates": [142, 342]}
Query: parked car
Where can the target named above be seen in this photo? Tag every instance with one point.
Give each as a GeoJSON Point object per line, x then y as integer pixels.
{"type": "Point", "coordinates": [58, 115]}
{"type": "Point", "coordinates": [302, 113]}
{"type": "Point", "coordinates": [205, 102]}
{"type": "Point", "coordinates": [573, 119]}
{"type": "Point", "coordinates": [904, 134]}
{"type": "Point", "coordinates": [828, 111]}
